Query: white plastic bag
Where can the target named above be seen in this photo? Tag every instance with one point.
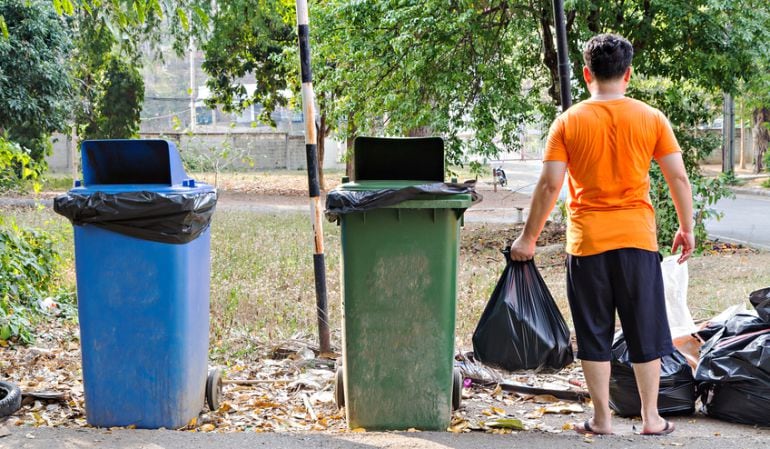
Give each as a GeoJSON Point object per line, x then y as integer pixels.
{"type": "Point", "coordinates": [675, 279]}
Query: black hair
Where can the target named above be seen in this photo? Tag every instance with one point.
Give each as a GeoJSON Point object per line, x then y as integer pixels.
{"type": "Point", "coordinates": [608, 56]}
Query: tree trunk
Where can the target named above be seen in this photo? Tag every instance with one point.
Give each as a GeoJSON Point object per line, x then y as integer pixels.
{"type": "Point", "coordinates": [321, 148]}
{"type": "Point", "coordinates": [761, 136]}
{"type": "Point", "coordinates": [420, 131]}
{"type": "Point", "coordinates": [349, 148]}
{"type": "Point", "coordinates": [550, 58]}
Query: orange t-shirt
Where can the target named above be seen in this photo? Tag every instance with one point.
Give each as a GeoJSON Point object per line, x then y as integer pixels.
{"type": "Point", "coordinates": [608, 146]}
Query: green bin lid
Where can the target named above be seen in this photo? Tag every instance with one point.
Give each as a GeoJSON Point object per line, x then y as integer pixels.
{"type": "Point", "coordinates": [454, 201]}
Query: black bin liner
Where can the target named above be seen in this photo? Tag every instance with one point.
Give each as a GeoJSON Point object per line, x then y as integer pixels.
{"type": "Point", "coordinates": [341, 202]}
{"type": "Point", "coordinates": [676, 394]}
{"type": "Point", "coordinates": [159, 217]}
{"type": "Point", "coordinates": [760, 299]}
{"type": "Point", "coordinates": [734, 370]}
{"type": "Point", "coordinates": [521, 327]}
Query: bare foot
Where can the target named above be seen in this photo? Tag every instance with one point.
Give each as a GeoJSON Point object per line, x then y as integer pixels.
{"type": "Point", "coordinates": [589, 427]}
{"type": "Point", "coordinates": [662, 427]}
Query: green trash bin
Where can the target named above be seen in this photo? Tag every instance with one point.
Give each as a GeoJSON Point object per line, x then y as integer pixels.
{"type": "Point", "coordinates": [399, 277]}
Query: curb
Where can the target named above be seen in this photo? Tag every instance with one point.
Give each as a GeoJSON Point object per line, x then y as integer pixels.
{"type": "Point", "coordinates": [755, 191]}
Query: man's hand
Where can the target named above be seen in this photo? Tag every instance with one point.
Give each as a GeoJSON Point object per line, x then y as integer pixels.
{"type": "Point", "coordinates": [522, 250]}
{"type": "Point", "coordinates": [686, 241]}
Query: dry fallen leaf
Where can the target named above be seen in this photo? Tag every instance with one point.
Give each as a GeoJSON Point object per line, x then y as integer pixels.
{"type": "Point", "coordinates": [545, 399]}
{"type": "Point", "coordinates": [358, 430]}
{"type": "Point", "coordinates": [535, 414]}
{"type": "Point", "coordinates": [564, 409]}
{"type": "Point", "coordinates": [498, 410]}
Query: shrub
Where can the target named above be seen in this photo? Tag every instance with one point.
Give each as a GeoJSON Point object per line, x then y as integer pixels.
{"type": "Point", "coordinates": [29, 268]}
{"type": "Point", "coordinates": [16, 166]}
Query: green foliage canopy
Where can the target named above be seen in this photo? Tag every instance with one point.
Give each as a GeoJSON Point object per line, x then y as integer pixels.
{"type": "Point", "coordinates": [117, 110]}
{"type": "Point", "coordinates": [250, 38]}
{"type": "Point", "coordinates": [35, 87]}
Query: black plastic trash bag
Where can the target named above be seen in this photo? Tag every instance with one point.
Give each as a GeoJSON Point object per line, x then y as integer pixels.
{"type": "Point", "coordinates": [154, 216]}
{"type": "Point", "coordinates": [521, 327]}
{"type": "Point", "coordinates": [734, 371]}
{"type": "Point", "coordinates": [676, 394]}
{"type": "Point", "coordinates": [340, 202]}
{"type": "Point", "coordinates": [760, 299]}
{"type": "Point", "coordinates": [742, 323]}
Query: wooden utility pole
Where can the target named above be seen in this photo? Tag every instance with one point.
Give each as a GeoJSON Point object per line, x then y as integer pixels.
{"type": "Point", "coordinates": [316, 210]}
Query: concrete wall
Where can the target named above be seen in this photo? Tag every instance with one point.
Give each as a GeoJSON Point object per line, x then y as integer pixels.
{"type": "Point", "coordinates": [748, 147]}
{"type": "Point", "coordinates": [228, 149]}
{"type": "Point", "coordinates": [60, 161]}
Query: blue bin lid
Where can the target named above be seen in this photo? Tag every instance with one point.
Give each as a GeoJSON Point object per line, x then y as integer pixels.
{"type": "Point", "coordinates": [131, 161]}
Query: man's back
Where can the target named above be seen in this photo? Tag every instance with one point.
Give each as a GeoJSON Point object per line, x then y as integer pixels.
{"type": "Point", "coordinates": [608, 146]}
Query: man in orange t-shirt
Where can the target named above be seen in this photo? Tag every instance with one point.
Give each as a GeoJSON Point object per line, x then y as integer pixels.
{"type": "Point", "coordinates": [605, 145]}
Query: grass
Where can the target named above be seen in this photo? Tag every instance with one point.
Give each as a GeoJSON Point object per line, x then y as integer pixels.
{"type": "Point", "coordinates": [262, 274]}
{"type": "Point", "coordinates": [262, 286]}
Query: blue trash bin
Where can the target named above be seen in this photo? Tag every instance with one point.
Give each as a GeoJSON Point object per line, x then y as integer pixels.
{"type": "Point", "coordinates": [142, 263]}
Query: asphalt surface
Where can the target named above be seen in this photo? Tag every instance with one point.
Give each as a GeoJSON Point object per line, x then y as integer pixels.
{"type": "Point", "coordinates": [705, 434]}
{"type": "Point", "coordinates": [746, 220]}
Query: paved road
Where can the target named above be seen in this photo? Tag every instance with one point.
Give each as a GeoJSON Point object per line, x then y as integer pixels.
{"type": "Point", "coordinates": [693, 433]}
{"type": "Point", "coordinates": [746, 220]}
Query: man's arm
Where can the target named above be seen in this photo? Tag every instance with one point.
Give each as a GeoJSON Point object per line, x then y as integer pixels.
{"type": "Point", "coordinates": [675, 173]}
{"type": "Point", "coordinates": [543, 200]}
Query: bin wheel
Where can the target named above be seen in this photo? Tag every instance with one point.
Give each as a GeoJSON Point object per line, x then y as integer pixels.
{"type": "Point", "coordinates": [457, 388]}
{"type": "Point", "coordinates": [339, 388]}
{"type": "Point", "coordinates": [10, 398]}
{"type": "Point", "coordinates": [214, 389]}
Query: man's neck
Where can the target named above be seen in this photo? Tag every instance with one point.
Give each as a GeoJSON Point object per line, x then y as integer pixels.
{"type": "Point", "coordinates": [608, 91]}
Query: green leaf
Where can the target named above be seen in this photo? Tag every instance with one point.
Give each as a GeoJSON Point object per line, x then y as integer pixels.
{"type": "Point", "coordinates": [3, 28]}
{"type": "Point", "coordinates": [67, 7]}
{"type": "Point", "coordinates": [5, 332]}
{"type": "Point", "coordinates": [505, 423]}
{"type": "Point", "coordinates": [157, 8]}
{"type": "Point", "coordinates": [202, 16]}
{"type": "Point", "coordinates": [140, 8]}
{"type": "Point", "coordinates": [183, 19]}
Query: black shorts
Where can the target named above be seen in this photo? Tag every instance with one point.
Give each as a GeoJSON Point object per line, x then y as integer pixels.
{"type": "Point", "coordinates": [628, 280]}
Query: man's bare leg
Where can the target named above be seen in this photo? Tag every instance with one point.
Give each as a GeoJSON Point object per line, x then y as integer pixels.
{"type": "Point", "coordinates": [597, 375]}
{"type": "Point", "coordinates": [648, 380]}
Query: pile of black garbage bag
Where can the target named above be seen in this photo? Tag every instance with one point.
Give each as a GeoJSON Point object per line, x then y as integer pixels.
{"type": "Point", "coordinates": [521, 329]}
{"type": "Point", "coordinates": [733, 374]}
{"type": "Point", "coordinates": [732, 378]}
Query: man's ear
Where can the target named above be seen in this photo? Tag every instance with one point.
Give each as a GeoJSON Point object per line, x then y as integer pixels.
{"type": "Point", "coordinates": [587, 75]}
{"type": "Point", "coordinates": [627, 75]}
